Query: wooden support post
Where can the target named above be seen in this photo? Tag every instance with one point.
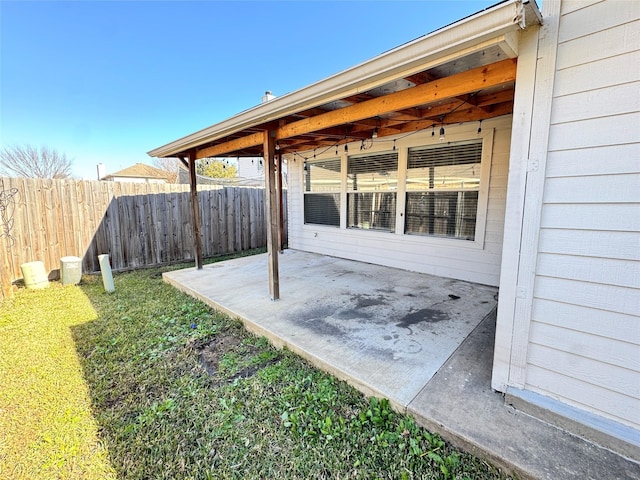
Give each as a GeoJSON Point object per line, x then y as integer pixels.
{"type": "Point", "coordinates": [269, 143]}
{"type": "Point", "coordinates": [195, 210]}
{"type": "Point", "coordinates": [280, 207]}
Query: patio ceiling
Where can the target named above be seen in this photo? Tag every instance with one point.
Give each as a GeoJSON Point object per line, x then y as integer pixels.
{"type": "Point", "coordinates": [463, 73]}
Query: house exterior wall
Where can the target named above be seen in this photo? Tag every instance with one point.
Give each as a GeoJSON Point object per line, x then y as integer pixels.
{"type": "Point", "coordinates": [250, 167]}
{"type": "Point", "coordinates": [568, 326]}
{"type": "Point", "coordinates": [477, 261]}
{"type": "Point", "coordinates": [584, 340]}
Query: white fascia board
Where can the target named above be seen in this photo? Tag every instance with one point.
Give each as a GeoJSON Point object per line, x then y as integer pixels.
{"type": "Point", "coordinates": [484, 29]}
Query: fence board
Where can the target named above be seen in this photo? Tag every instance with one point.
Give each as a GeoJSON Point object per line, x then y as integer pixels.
{"type": "Point", "coordinates": [176, 223]}
{"type": "Point", "coordinates": [28, 197]}
{"type": "Point", "coordinates": [7, 235]}
{"type": "Point", "coordinates": [136, 224]}
{"type": "Point", "coordinates": [231, 231]}
{"type": "Point", "coordinates": [112, 223]}
{"type": "Point", "coordinates": [75, 220]}
{"type": "Point", "coordinates": [49, 231]}
{"type": "Point", "coordinates": [222, 221]}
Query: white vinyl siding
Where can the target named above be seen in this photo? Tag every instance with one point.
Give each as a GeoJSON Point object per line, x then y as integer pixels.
{"type": "Point", "coordinates": [476, 261]}
{"type": "Point", "coordinates": [584, 341]}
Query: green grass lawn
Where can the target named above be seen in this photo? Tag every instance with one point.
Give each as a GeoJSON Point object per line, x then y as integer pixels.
{"type": "Point", "coordinates": [149, 383]}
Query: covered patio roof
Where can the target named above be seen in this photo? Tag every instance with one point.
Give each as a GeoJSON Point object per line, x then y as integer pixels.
{"type": "Point", "coordinates": [461, 73]}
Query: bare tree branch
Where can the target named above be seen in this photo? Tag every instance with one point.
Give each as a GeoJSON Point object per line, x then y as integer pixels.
{"type": "Point", "coordinates": [28, 161]}
{"type": "Point", "coordinates": [169, 165]}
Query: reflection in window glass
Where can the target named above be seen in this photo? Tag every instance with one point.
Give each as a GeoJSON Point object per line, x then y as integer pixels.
{"type": "Point", "coordinates": [322, 184]}
{"type": "Point", "coordinates": [372, 182]}
{"type": "Point", "coordinates": [442, 189]}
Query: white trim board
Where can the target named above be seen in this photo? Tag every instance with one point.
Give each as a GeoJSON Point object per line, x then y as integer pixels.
{"type": "Point", "coordinates": [516, 182]}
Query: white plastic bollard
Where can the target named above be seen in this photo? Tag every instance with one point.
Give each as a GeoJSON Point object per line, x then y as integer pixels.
{"type": "Point", "coordinates": [107, 276]}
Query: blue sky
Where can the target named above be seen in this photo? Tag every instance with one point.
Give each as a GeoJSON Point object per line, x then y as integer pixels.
{"type": "Point", "coordinates": [107, 81]}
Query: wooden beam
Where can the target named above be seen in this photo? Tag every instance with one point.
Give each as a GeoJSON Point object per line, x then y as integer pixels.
{"type": "Point", "coordinates": [311, 144]}
{"type": "Point", "coordinates": [406, 115]}
{"type": "Point", "coordinates": [269, 142]}
{"type": "Point", "coordinates": [443, 109]}
{"type": "Point", "coordinates": [309, 113]}
{"type": "Point", "coordinates": [447, 87]}
{"type": "Point", "coordinates": [420, 78]}
{"type": "Point", "coordinates": [231, 146]}
{"type": "Point", "coordinates": [460, 116]}
{"type": "Point", "coordinates": [499, 97]}
{"type": "Point", "coordinates": [425, 77]}
{"type": "Point", "coordinates": [184, 162]}
{"type": "Point", "coordinates": [195, 210]}
{"type": "Point", "coordinates": [357, 98]}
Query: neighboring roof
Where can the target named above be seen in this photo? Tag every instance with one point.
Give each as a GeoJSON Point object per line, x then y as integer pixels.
{"type": "Point", "coordinates": [139, 170]}
{"type": "Point", "coordinates": [301, 120]}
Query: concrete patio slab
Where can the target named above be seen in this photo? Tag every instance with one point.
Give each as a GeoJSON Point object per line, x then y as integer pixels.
{"type": "Point", "coordinates": [388, 331]}
{"type": "Point", "coordinates": [458, 403]}
{"type": "Point", "coordinates": [423, 342]}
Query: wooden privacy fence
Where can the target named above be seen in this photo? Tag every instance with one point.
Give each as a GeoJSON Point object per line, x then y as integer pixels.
{"type": "Point", "coordinates": [137, 224]}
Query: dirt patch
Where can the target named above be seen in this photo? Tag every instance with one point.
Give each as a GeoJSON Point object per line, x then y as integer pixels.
{"type": "Point", "coordinates": [226, 358]}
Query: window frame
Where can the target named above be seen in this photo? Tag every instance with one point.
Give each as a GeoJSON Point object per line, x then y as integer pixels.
{"type": "Point", "coordinates": [486, 136]}
{"type": "Point", "coordinates": [330, 191]}
{"type": "Point", "coordinates": [351, 192]}
{"type": "Point", "coordinates": [402, 146]}
{"type": "Point", "coordinates": [434, 197]}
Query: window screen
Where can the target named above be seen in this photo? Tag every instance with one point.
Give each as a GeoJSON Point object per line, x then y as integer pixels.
{"type": "Point", "coordinates": [442, 189]}
{"type": "Point", "coordinates": [322, 184]}
{"type": "Point", "coordinates": [372, 181]}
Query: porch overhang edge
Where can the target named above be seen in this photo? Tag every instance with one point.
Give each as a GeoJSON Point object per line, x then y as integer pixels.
{"type": "Point", "coordinates": [485, 28]}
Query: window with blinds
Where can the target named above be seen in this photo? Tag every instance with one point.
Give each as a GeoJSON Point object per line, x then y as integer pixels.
{"type": "Point", "coordinates": [442, 187]}
{"type": "Point", "coordinates": [372, 182]}
{"type": "Point", "coordinates": [322, 184]}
